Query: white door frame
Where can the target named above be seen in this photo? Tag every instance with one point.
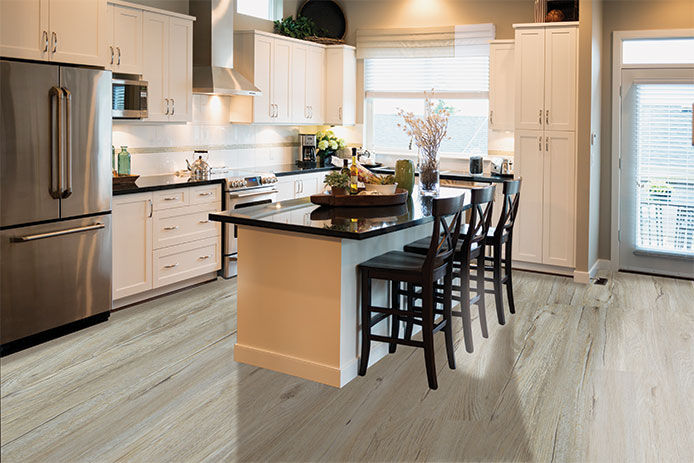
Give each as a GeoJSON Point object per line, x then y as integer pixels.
{"type": "Point", "coordinates": [617, 67]}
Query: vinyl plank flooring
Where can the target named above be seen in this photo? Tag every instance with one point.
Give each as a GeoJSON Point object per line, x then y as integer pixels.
{"type": "Point", "coordinates": [580, 373]}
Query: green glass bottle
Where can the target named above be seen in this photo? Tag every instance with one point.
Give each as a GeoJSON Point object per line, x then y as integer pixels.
{"type": "Point", "coordinates": [123, 161]}
{"type": "Point", "coordinates": [404, 174]}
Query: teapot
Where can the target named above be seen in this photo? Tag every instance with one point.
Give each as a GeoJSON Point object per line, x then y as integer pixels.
{"type": "Point", "coordinates": [199, 168]}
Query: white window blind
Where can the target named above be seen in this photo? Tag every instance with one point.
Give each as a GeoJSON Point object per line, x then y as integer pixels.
{"type": "Point", "coordinates": [468, 74]}
{"type": "Point", "coordinates": [665, 168]}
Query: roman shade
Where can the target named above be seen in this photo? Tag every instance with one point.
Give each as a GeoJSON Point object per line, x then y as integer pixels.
{"type": "Point", "coordinates": [429, 42]}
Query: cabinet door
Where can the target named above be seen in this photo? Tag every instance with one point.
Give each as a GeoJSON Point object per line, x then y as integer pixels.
{"type": "Point", "coordinates": [127, 40]}
{"type": "Point", "coordinates": [286, 187]}
{"type": "Point", "coordinates": [559, 199]}
{"type": "Point", "coordinates": [262, 64]}
{"type": "Point", "coordinates": [560, 78]}
{"type": "Point", "coordinates": [281, 79]}
{"type": "Point", "coordinates": [24, 29]}
{"type": "Point", "coordinates": [132, 244]}
{"type": "Point", "coordinates": [501, 84]}
{"type": "Point", "coordinates": [333, 86]}
{"type": "Point", "coordinates": [78, 31]}
{"type": "Point", "coordinates": [315, 84]}
{"type": "Point", "coordinates": [180, 83]}
{"type": "Point", "coordinates": [349, 87]}
{"type": "Point", "coordinates": [155, 70]}
{"type": "Point", "coordinates": [299, 89]}
{"type": "Point", "coordinates": [527, 234]}
{"type": "Point", "coordinates": [529, 75]}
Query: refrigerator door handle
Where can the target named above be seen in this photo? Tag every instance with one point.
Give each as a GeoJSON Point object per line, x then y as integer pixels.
{"type": "Point", "coordinates": [56, 145]}
{"type": "Point", "coordinates": [68, 231]}
{"type": "Point", "coordinates": [68, 142]}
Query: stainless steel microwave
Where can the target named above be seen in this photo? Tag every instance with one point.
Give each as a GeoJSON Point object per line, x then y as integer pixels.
{"type": "Point", "coordinates": [129, 99]}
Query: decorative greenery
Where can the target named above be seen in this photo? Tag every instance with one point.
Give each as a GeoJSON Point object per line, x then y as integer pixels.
{"type": "Point", "coordinates": [298, 28]}
{"type": "Point", "coordinates": [328, 144]}
{"type": "Point", "coordinates": [336, 179]}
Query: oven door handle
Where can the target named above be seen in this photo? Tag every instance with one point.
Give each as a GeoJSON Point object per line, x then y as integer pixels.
{"type": "Point", "coordinates": [248, 195]}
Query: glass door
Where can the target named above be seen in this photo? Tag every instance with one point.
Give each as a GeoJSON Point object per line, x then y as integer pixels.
{"type": "Point", "coordinates": [656, 229]}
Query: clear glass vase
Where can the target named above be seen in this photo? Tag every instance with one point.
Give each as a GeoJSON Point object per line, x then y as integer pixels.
{"type": "Point", "coordinates": [428, 171]}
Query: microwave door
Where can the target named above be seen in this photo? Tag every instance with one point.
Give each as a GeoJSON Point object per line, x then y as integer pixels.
{"type": "Point", "coordinates": [28, 143]}
{"type": "Point", "coordinates": [87, 158]}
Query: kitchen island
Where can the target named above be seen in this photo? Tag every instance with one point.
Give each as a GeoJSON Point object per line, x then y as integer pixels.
{"type": "Point", "coordinates": [298, 291]}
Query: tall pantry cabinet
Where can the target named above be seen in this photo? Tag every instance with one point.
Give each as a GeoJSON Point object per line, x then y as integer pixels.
{"type": "Point", "coordinates": [546, 70]}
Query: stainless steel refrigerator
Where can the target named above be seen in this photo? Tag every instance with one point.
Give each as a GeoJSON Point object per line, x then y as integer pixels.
{"type": "Point", "coordinates": [55, 198]}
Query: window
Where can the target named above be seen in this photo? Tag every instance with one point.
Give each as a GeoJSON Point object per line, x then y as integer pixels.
{"type": "Point", "coordinates": [265, 9]}
{"type": "Point", "coordinates": [678, 50]}
{"type": "Point", "coordinates": [460, 83]}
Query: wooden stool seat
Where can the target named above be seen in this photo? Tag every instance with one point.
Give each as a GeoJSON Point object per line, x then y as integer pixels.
{"type": "Point", "coordinates": [405, 265]}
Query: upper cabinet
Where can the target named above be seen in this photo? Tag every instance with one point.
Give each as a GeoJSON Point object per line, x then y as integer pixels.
{"type": "Point", "coordinates": [501, 83]}
{"type": "Point", "coordinates": [124, 39]}
{"type": "Point", "coordinates": [546, 72]}
{"type": "Point", "coordinates": [168, 66]}
{"type": "Point", "coordinates": [341, 85]}
{"type": "Point", "coordinates": [64, 31]}
{"type": "Point", "coordinates": [308, 65]}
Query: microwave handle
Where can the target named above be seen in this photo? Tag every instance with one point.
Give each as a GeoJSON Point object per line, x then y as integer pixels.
{"type": "Point", "coordinates": [140, 83]}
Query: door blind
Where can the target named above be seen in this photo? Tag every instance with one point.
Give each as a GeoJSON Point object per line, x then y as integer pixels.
{"type": "Point", "coordinates": [662, 139]}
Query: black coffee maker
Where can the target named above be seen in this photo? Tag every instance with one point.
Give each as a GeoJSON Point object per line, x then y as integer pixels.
{"type": "Point", "coordinates": [307, 150]}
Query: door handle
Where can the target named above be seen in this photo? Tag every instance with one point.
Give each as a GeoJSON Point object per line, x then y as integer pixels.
{"type": "Point", "coordinates": [54, 39]}
{"type": "Point", "coordinates": [56, 142]}
{"type": "Point", "coordinates": [118, 49]}
{"type": "Point", "coordinates": [68, 142]}
{"type": "Point", "coordinates": [45, 41]}
{"type": "Point", "coordinates": [111, 48]}
{"type": "Point", "coordinates": [68, 231]}
{"type": "Point", "coordinates": [167, 106]}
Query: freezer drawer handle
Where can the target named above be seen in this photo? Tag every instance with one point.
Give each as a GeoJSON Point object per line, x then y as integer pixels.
{"type": "Point", "coordinates": [69, 231]}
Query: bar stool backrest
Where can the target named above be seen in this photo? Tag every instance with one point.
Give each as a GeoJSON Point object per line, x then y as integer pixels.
{"type": "Point", "coordinates": [482, 202]}
{"type": "Point", "coordinates": [445, 235]}
{"type": "Point", "coordinates": [510, 208]}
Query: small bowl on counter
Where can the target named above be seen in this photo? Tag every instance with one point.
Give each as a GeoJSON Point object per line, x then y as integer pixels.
{"type": "Point", "coordinates": [382, 189]}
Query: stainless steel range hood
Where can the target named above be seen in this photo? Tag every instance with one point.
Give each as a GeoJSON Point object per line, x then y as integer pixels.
{"type": "Point", "coordinates": [213, 50]}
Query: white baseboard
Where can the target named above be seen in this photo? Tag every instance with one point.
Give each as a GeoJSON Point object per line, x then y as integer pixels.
{"type": "Point", "coordinates": [552, 269]}
{"type": "Point", "coordinates": [156, 292]}
{"type": "Point", "coordinates": [585, 277]}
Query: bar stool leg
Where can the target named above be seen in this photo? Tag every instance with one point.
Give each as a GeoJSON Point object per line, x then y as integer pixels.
{"type": "Point", "coordinates": [428, 333]}
{"type": "Point", "coordinates": [498, 296]}
{"type": "Point", "coordinates": [480, 293]}
{"type": "Point", "coordinates": [509, 282]}
{"type": "Point", "coordinates": [464, 302]}
{"type": "Point", "coordinates": [410, 307]}
{"type": "Point", "coordinates": [448, 329]}
{"type": "Point", "coordinates": [395, 320]}
{"type": "Point", "coordinates": [365, 322]}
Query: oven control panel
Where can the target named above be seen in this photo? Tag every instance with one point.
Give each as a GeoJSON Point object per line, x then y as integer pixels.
{"type": "Point", "coordinates": [251, 182]}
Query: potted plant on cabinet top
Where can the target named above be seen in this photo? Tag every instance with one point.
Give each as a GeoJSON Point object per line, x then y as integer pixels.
{"type": "Point", "coordinates": [338, 182]}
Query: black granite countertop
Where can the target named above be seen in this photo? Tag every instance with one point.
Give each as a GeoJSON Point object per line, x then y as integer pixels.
{"type": "Point", "coordinates": [300, 215]}
{"type": "Point", "coordinates": [162, 182]}
{"type": "Point", "coordinates": [455, 175]}
{"type": "Point", "coordinates": [281, 170]}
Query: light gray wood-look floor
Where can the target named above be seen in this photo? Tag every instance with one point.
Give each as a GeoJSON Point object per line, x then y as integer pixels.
{"type": "Point", "coordinates": [582, 373]}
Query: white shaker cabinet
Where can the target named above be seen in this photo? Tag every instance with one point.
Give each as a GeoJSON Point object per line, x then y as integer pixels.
{"type": "Point", "coordinates": [501, 84]}
{"type": "Point", "coordinates": [281, 83]}
{"type": "Point", "coordinates": [529, 165]}
{"type": "Point", "coordinates": [299, 74]}
{"type": "Point", "coordinates": [529, 74]}
{"type": "Point", "coordinates": [132, 244]}
{"type": "Point", "coordinates": [340, 91]}
{"type": "Point", "coordinates": [124, 38]}
{"type": "Point", "coordinates": [64, 31]}
{"type": "Point", "coordinates": [308, 66]}
{"type": "Point", "coordinates": [168, 66]}
{"type": "Point", "coordinates": [561, 78]}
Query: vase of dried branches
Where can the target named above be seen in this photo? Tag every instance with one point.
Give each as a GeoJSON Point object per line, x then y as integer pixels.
{"type": "Point", "coordinates": [427, 132]}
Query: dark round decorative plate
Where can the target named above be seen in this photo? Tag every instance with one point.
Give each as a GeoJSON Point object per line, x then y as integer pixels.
{"type": "Point", "coordinates": [327, 15]}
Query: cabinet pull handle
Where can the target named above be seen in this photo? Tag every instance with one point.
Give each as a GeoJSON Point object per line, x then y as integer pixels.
{"type": "Point", "coordinates": [547, 117]}
{"type": "Point", "coordinates": [118, 49]}
{"type": "Point", "coordinates": [172, 227]}
{"type": "Point", "coordinates": [203, 257]}
{"type": "Point", "coordinates": [547, 144]}
{"type": "Point", "coordinates": [491, 117]}
{"type": "Point", "coordinates": [171, 265]}
{"type": "Point", "coordinates": [339, 111]}
{"type": "Point", "coordinates": [539, 143]}
{"type": "Point", "coordinates": [207, 193]}
{"type": "Point", "coordinates": [45, 41]}
{"type": "Point", "coordinates": [54, 38]}
{"type": "Point", "coordinates": [204, 221]}
{"type": "Point", "coordinates": [111, 48]}
{"type": "Point", "coordinates": [167, 106]}
{"type": "Point", "coordinates": [173, 106]}
{"type": "Point", "coordinates": [151, 207]}
{"type": "Point", "coordinates": [171, 198]}
{"type": "Point", "coordinates": [310, 112]}
{"type": "Point", "coordinates": [539, 118]}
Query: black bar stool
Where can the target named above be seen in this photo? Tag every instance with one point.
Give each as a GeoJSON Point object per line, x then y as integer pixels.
{"type": "Point", "coordinates": [421, 270]}
{"type": "Point", "coordinates": [470, 247]}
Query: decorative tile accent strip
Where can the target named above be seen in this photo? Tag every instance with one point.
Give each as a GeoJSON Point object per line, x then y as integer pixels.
{"type": "Point", "coordinates": [240, 146]}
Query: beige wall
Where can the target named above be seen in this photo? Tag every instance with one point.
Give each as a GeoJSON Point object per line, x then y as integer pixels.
{"type": "Point", "coordinates": [177, 6]}
{"type": "Point", "coordinates": [625, 15]}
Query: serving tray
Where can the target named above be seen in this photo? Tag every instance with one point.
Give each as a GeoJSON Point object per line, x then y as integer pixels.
{"type": "Point", "coordinates": [124, 179]}
{"type": "Point", "coordinates": [327, 199]}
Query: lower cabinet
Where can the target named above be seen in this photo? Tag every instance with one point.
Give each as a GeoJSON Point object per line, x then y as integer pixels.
{"type": "Point", "coordinates": [300, 185]}
{"type": "Point", "coordinates": [164, 237]}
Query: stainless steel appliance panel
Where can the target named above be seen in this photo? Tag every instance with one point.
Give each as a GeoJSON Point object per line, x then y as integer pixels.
{"type": "Point", "coordinates": [28, 143]}
{"type": "Point", "coordinates": [87, 158]}
{"type": "Point", "coordinates": [58, 273]}
{"type": "Point", "coordinates": [128, 99]}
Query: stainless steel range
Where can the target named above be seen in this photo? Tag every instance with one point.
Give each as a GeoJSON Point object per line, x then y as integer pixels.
{"type": "Point", "coordinates": [244, 189]}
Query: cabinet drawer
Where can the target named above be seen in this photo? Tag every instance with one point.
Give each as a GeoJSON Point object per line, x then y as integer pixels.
{"type": "Point", "coordinates": [167, 199]}
{"type": "Point", "coordinates": [177, 263]}
{"type": "Point", "coordinates": [184, 224]}
{"type": "Point", "coordinates": [206, 194]}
